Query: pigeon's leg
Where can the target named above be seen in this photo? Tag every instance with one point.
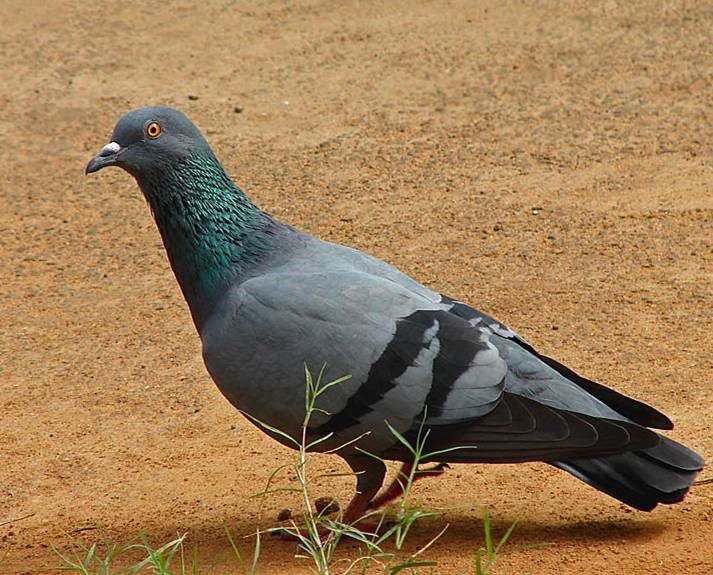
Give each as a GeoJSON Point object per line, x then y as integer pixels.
{"type": "Point", "coordinates": [370, 475]}
{"type": "Point", "coordinates": [396, 488]}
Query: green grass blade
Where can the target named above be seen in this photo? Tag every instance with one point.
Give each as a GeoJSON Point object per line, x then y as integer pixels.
{"type": "Point", "coordinates": [326, 386]}
{"type": "Point", "coordinates": [234, 547]}
{"type": "Point", "coordinates": [401, 438]}
{"type": "Point", "coordinates": [488, 535]}
{"type": "Point", "coordinates": [347, 443]}
{"type": "Point", "coordinates": [504, 538]}
{"type": "Point", "coordinates": [256, 554]}
{"type": "Point", "coordinates": [272, 429]}
{"type": "Point", "coordinates": [435, 454]}
{"type": "Point", "coordinates": [479, 562]}
{"type": "Point", "coordinates": [318, 441]}
{"type": "Point", "coordinates": [411, 565]}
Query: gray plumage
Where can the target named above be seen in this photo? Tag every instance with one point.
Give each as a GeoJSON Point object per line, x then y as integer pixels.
{"type": "Point", "coordinates": [268, 300]}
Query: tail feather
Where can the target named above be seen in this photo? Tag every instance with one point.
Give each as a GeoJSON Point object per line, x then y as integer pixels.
{"type": "Point", "coordinates": [641, 479]}
{"type": "Point", "coordinates": [675, 455]}
{"type": "Point", "coordinates": [519, 429]}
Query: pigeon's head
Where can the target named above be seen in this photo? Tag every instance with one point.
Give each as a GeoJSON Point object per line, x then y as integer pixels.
{"type": "Point", "coordinates": [148, 140]}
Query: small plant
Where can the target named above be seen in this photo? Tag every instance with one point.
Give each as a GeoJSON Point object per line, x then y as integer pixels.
{"type": "Point", "coordinates": [318, 537]}
{"type": "Point", "coordinates": [319, 534]}
{"type": "Point", "coordinates": [485, 557]}
{"type": "Point", "coordinates": [168, 559]}
{"type": "Point", "coordinates": [158, 560]}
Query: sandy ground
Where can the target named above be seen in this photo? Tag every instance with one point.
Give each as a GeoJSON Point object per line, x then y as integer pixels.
{"type": "Point", "coordinates": [548, 162]}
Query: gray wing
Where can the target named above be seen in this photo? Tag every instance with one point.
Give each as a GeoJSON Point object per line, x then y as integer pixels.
{"type": "Point", "coordinates": [411, 362]}
{"type": "Point", "coordinates": [531, 374]}
{"type": "Point", "coordinates": [536, 376]}
{"type": "Point", "coordinates": [408, 358]}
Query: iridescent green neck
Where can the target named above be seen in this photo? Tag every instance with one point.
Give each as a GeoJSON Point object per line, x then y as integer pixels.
{"type": "Point", "coordinates": [211, 231]}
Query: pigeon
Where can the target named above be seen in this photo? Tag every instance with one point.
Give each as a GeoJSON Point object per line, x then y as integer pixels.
{"type": "Point", "coordinates": [270, 301]}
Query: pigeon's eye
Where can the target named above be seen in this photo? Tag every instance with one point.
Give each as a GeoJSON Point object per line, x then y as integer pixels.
{"type": "Point", "coordinates": [153, 130]}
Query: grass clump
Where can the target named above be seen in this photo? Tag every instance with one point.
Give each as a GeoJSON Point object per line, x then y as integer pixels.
{"type": "Point", "coordinates": [168, 559]}
{"type": "Point", "coordinates": [378, 550]}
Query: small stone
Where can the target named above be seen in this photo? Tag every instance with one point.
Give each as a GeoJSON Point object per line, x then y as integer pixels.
{"type": "Point", "coordinates": [192, 97]}
{"type": "Point", "coordinates": [238, 109]}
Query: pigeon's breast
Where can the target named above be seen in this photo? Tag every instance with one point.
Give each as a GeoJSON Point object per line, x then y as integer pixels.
{"type": "Point", "coordinates": [243, 364]}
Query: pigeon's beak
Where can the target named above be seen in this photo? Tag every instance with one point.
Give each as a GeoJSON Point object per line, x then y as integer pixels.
{"type": "Point", "coordinates": [107, 157]}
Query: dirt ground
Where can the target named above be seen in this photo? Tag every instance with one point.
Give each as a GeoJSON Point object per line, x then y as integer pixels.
{"type": "Point", "coordinates": [548, 162]}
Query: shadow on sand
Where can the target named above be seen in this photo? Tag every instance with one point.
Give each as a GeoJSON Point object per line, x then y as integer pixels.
{"type": "Point", "coordinates": [464, 533]}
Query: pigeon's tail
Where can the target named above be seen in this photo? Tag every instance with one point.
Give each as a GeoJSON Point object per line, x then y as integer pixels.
{"type": "Point", "coordinates": [641, 479]}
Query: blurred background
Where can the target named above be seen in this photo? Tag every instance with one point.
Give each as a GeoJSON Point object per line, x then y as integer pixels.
{"type": "Point", "coordinates": [547, 162]}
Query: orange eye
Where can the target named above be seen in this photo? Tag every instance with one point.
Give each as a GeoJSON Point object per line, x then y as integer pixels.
{"type": "Point", "coordinates": [153, 130]}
